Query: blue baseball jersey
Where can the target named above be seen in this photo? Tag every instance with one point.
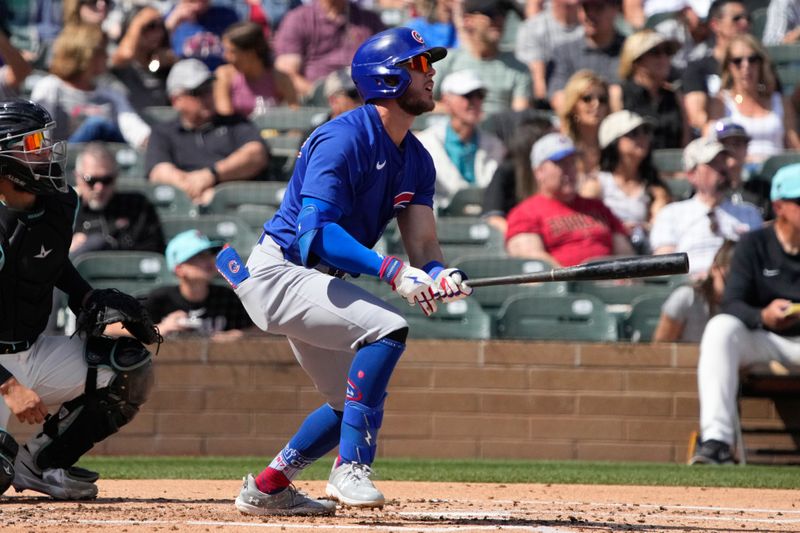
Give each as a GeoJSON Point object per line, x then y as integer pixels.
{"type": "Point", "coordinates": [352, 162]}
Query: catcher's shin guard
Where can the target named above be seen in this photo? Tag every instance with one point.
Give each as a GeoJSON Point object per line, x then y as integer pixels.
{"type": "Point", "coordinates": [98, 413]}
{"type": "Point", "coordinates": [8, 452]}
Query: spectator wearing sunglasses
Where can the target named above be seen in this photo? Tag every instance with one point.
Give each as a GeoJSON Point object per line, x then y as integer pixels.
{"type": "Point", "coordinates": [108, 219]}
{"type": "Point", "coordinates": [200, 149]}
{"type": "Point", "coordinates": [644, 68]}
{"type": "Point", "coordinates": [699, 225]}
{"type": "Point", "coordinates": [506, 79]}
{"type": "Point", "coordinates": [598, 49]}
{"type": "Point", "coordinates": [751, 97]}
{"type": "Point", "coordinates": [585, 106]}
{"type": "Point", "coordinates": [701, 79]}
{"type": "Point", "coordinates": [463, 155]}
{"type": "Point", "coordinates": [249, 77]}
{"type": "Point", "coordinates": [143, 59]}
{"type": "Point", "coordinates": [758, 322]}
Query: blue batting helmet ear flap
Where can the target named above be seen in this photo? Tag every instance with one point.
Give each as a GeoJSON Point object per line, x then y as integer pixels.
{"type": "Point", "coordinates": [374, 68]}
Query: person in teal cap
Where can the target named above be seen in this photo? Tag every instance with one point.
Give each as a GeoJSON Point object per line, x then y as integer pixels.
{"type": "Point", "coordinates": [196, 305]}
{"type": "Point", "coordinates": [760, 318]}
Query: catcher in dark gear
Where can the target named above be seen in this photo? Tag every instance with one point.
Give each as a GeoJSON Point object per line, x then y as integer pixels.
{"type": "Point", "coordinates": [81, 388]}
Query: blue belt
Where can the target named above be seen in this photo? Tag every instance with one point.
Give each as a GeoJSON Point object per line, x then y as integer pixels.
{"type": "Point", "coordinates": [14, 347]}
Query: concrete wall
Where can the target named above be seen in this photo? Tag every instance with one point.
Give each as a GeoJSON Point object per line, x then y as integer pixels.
{"type": "Point", "coordinates": [462, 399]}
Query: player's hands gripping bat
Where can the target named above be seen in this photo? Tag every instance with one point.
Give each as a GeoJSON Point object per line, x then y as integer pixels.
{"type": "Point", "coordinates": [450, 284]}
{"type": "Point", "coordinates": [108, 306]}
{"type": "Point", "coordinates": [411, 283]}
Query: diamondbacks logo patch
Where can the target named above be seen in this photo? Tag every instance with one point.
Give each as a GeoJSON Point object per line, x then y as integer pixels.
{"type": "Point", "coordinates": [417, 37]}
{"type": "Point", "coordinates": [403, 199]}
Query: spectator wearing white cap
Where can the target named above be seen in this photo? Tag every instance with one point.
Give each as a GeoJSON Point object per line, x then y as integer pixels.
{"type": "Point", "coordinates": [556, 224]}
{"type": "Point", "coordinates": [462, 155]}
{"type": "Point", "coordinates": [644, 68]}
{"type": "Point", "coordinates": [200, 149]}
{"type": "Point", "coordinates": [758, 323]}
{"type": "Point", "coordinates": [699, 225]}
{"type": "Point", "coordinates": [628, 182]}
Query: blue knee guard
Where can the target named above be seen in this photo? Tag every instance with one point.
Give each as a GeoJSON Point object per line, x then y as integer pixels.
{"type": "Point", "coordinates": [360, 426]}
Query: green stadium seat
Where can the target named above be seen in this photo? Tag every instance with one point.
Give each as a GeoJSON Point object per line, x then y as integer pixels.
{"type": "Point", "coordinates": [668, 161]}
{"type": "Point", "coordinates": [623, 291]}
{"type": "Point", "coordinates": [167, 200]}
{"type": "Point", "coordinates": [462, 319]}
{"type": "Point", "coordinates": [641, 322]}
{"type": "Point", "coordinates": [492, 298]}
{"type": "Point", "coordinates": [123, 269]}
{"type": "Point", "coordinates": [465, 202]}
{"type": "Point", "coordinates": [230, 195]}
{"type": "Point", "coordinates": [283, 155]}
{"type": "Point", "coordinates": [156, 114]}
{"type": "Point", "coordinates": [576, 317]}
{"type": "Point", "coordinates": [284, 119]}
{"type": "Point", "coordinates": [654, 20]}
{"type": "Point", "coordinates": [772, 164]}
{"type": "Point", "coordinates": [228, 228]}
{"type": "Point", "coordinates": [679, 188]}
{"type": "Point", "coordinates": [255, 215]}
{"type": "Point", "coordinates": [458, 236]}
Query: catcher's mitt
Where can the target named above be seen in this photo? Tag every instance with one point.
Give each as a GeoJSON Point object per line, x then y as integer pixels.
{"type": "Point", "coordinates": [107, 306]}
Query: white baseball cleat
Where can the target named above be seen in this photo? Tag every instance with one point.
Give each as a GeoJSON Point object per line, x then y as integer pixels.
{"type": "Point", "coordinates": [350, 484]}
{"type": "Point", "coordinates": [288, 502]}
{"type": "Point", "coordinates": [57, 483]}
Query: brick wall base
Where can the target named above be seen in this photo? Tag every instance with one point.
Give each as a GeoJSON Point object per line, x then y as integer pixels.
{"type": "Point", "coordinates": [448, 399]}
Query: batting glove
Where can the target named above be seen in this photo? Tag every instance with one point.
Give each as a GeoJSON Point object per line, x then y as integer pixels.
{"type": "Point", "coordinates": [411, 283]}
{"type": "Point", "coordinates": [450, 284]}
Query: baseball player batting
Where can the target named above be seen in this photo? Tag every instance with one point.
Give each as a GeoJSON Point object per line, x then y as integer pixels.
{"type": "Point", "coordinates": [353, 175]}
{"type": "Point", "coordinates": [84, 387]}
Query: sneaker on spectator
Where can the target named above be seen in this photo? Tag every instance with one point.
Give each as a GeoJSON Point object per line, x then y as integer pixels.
{"type": "Point", "coordinates": [712, 452]}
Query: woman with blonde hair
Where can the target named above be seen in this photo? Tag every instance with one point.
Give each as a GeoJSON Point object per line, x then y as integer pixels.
{"type": "Point", "coordinates": [84, 108]}
{"type": "Point", "coordinates": [585, 106]}
{"type": "Point", "coordinates": [644, 68]}
{"type": "Point", "coordinates": [751, 97]}
{"type": "Point", "coordinates": [249, 83]}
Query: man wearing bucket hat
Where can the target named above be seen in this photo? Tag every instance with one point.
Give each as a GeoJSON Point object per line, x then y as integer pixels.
{"type": "Point", "coordinates": [699, 225]}
{"type": "Point", "coordinates": [556, 224]}
{"type": "Point", "coordinates": [463, 155]}
{"type": "Point", "coordinates": [195, 305]}
{"type": "Point", "coordinates": [760, 319]}
{"type": "Point", "coordinates": [645, 68]}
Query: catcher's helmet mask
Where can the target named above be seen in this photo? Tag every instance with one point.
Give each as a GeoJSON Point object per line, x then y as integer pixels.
{"type": "Point", "coordinates": [375, 68]}
{"type": "Point", "coordinates": [28, 156]}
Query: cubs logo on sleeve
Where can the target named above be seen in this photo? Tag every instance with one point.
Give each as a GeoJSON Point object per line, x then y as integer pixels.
{"type": "Point", "coordinates": [402, 200]}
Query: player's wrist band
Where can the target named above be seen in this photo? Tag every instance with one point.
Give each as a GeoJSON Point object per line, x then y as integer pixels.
{"type": "Point", "coordinates": [432, 268]}
{"type": "Point", "coordinates": [215, 173]}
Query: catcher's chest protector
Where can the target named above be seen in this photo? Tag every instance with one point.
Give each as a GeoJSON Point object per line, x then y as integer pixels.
{"type": "Point", "coordinates": [36, 248]}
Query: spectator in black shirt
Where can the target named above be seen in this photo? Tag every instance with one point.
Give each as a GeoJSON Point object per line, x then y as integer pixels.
{"type": "Point", "coordinates": [195, 305]}
{"type": "Point", "coordinates": [760, 319]}
{"type": "Point", "coordinates": [701, 79]}
{"type": "Point", "coordinates": [110, 220]}
{"type": "Point", "coordinates": [200, 149]}
{"type": "Point", "coordinates": [644, 68]}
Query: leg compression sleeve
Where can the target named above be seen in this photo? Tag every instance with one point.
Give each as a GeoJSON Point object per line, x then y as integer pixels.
{"type": "Point", "coordinates": [371, 369]}
{"type": "Point", "coordinates": [318, 435]}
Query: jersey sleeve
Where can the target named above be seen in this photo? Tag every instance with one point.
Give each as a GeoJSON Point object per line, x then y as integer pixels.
{"type": "Point", "coordinates": [335, 167]}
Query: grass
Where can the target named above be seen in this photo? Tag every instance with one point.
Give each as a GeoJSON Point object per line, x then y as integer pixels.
{"type": "Point", "coordinates": [474, 471]}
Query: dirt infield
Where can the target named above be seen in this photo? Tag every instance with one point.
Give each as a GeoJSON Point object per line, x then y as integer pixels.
{"type": "Point", "coordinates": [169, 505]}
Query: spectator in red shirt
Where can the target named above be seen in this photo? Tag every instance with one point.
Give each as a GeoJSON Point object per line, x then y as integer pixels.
{"type": "Point", "coordinates": [556, 224]}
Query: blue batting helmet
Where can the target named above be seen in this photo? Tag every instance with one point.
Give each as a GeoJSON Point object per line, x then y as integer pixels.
{"type": "Point", "coordinates": [374, 69]}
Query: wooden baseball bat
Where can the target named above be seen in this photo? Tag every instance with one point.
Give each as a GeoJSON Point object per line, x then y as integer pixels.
{"type": "Point", "coordinates": [622, 268]}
